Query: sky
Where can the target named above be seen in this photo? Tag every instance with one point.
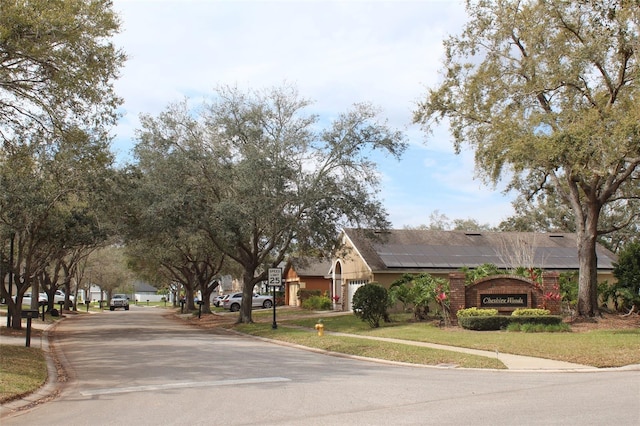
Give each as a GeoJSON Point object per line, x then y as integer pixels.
{"type": "Point", "coordinates": [336, 53]}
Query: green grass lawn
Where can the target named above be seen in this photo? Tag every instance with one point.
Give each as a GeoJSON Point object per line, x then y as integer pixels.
{"type": "Point", "coordinates": [598, 348]}
{"type": "Point", "coordinates": [369, 348]}
{"type": "Point", "coordinates": [22, 370]}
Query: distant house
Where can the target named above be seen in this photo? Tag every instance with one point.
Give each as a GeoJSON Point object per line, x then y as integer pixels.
{"type": "Point", "coordinates": [143, 292]}
{"type": "Point", "coordinates": [367, 256]}
{"type": "Point", "coordinates": [95, 293]}
{"type": "Point", "coordinates": [307, 274]}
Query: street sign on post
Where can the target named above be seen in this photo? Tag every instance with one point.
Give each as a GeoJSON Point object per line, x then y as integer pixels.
{"type": "Point", "coordinates": [275, 280]}
{"type": "Point", "coordinates": [275, 277]}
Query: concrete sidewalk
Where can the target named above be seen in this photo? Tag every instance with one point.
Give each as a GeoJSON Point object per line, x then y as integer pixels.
{"type": "Point", "coordinates": [36, 341]}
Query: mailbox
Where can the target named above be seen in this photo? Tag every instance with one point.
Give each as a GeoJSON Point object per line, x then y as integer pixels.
{"type": "Point", "coordinates": [30, 313]}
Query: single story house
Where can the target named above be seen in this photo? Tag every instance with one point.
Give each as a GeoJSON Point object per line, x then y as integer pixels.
{"type": "Point", "coordinates": [366, 256]}
{"type": "Point", "coordinates": [143, 292]}
{"type": "Point", "coordinates": [306, 274]}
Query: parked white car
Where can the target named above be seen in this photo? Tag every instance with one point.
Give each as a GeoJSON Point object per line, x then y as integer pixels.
{"type": "Point", "coordinates": [234, 300]}
{"type": "Point", "coordinates": [26, 299]}
{"type": "Point", "coordinates": [217, 301]}
{"type": "Point", "coordinates": [59, 297]}
{"type": "Point", "coordinates": [43, 297]}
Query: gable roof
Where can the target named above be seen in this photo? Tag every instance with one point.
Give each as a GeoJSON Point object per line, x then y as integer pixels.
{"type": "Point", "coordinates": [446, 250]}
{"type": "Point", "coordinates": [143, 287]}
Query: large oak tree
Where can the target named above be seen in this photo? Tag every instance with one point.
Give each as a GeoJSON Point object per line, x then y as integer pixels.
{"type": "Point", "coordinates": [546, 92]}
{"type": "Point", "coordinates": [268, 179]}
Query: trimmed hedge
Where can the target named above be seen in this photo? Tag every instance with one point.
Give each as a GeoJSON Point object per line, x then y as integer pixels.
{"type": "Point", "coordinates": [536, 319]}
{"type": "Point", "coordinates": [499, 322]}
{"type": "Point", "coordinates": [495, 322]}
{"type": "Point", "coordinates": [530, 312]}
{"type": "Point", "coordinates": [476, 312]}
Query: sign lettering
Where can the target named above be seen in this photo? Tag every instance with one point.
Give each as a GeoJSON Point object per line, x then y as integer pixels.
{"type": "Point", "coordinates": [275, 277]}
{"type": "Point", "coordinates": [504, 300]}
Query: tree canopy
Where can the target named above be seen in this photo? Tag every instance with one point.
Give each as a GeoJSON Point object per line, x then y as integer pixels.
{"type": "Point", "coordinates": [57, 65]}
{"type": "Point", "coordinates": [546, 92]}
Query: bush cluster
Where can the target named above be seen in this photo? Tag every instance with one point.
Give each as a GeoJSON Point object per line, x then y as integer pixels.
{"type": "Point", "coordinates": [304, 294]}
{"type": "Point", "coordinates": [317, 303]}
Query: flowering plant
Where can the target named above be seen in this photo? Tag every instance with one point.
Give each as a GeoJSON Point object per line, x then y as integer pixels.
{"type": "Point", "coordinates": [552, 296]}
{"type": "Point", "coordinates": [335, 298]}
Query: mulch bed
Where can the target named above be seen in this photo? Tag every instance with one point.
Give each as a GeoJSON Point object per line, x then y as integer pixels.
{"type": "Point", "coordinates": [605, 321]}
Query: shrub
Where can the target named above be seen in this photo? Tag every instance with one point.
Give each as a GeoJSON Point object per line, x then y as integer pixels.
{"type": "Point", "coordinates": [482, 271]}
{"type": "Point", "coordinates": [370, 303]}
{"type": "Point", "coordinates": [529, 312]}
{"type": "Point", "coordinates": [304, 294]}
{"type": "Point", "coordinates": [569, 290]}
{"type": "Point", "coordinates": [317, 303]}
{"type": "Point", "coordinates": [420, 291]}
{"type": "Point", "coordinates": [495, 322]}
{"type": "Point", "coordinates": [625, 293]}
{"type": "Point", "coordinates": [486, 321]}
{"type": "Point", "coordinates": [476, 312]}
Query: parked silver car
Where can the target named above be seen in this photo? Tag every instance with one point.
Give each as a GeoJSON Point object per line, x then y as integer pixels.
{"type": "Point", "coordinates": [234, 300]}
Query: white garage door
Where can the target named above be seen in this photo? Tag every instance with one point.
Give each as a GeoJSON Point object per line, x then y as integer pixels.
{"type": "Point", "coordinates": [352, 286]}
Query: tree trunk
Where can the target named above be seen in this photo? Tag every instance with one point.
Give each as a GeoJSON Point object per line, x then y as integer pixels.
{"type": "Point", "coordinates": [190, 294]}
{"type": "Point", "coordinates": [247, 296]}
{"type": "Point", "coordinates": [16, 313]}
{"type": "Point", "coordinates": [588, 276]}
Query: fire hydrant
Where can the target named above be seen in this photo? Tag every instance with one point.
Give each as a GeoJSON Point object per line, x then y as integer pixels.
{"type": "Point", "coordinates": [320, 328]}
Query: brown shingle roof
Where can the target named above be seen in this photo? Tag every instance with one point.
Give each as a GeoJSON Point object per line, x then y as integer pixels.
{"type": "Point", "coordinates": [311, 267]}
{"type": "Point", "coordinates": [428, 249]}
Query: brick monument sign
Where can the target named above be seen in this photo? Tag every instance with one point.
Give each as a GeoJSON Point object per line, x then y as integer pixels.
{"type": "Point", "coordinates": [505, 293]}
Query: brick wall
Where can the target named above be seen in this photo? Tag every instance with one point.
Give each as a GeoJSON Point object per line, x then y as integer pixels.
{"type": "Point", "coordinates": [462, 296]}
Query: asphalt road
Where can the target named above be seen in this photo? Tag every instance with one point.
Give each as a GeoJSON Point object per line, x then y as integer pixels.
{"type": "Point", "coordinates": [140, 368]}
